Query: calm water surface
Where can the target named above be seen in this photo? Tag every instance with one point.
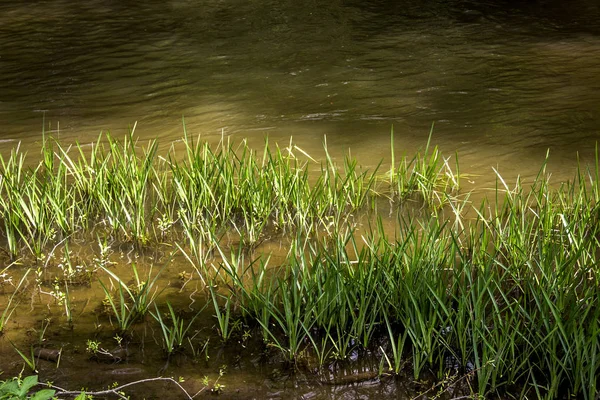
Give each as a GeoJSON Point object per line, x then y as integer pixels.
{"type": "Point", "coordinates": [502, 81]}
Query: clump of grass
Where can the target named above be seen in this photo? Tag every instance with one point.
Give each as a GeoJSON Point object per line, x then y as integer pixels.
{"type": "Point", "coordinates": [175, 332]}
{"type": "Point", "coordinates": [114, 185]}
{"type": "Point", "coordinates": [139, 197]}
{"type": "Point", "coordinates": [505, 297]}
{"type": "Point", "coordinates": [427, 174]}
{"type": "Point", "coordinates": [131, 303]}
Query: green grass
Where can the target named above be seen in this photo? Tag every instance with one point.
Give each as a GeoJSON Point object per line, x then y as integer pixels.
{"type": "Point", "coordinates": [175, 332]}
{"type": "Point", "coordinates": [509, 295]}
{"type": "Point", "coordinates": [12, 302]}
{"type": "Point", "coordinates": [132, 301]}
{"type": "Point", "coordinates": [505, 292]}
{"type": "Point", "coordinates": [127, 190]}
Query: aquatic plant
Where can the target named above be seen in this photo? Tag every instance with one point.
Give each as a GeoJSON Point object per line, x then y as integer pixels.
{"type": "Point", "coordinates": [504, 292]}
{"type": "Point", "coordinates": [175, 332]}
{"type": "Point", "coordinates": [427, 173]}
{"type": "Point", "coordinates": [507, 296]}
{"type": "Point", "coordinates": [30, 360]}
{"type": "Point", "coordinates": [132, 302]}
{"type": "Point", "coordinates": [223, 315]}
{"type": "Point", "coordinates": [10, 306]}
{"type": "Point", "coordinates": [17, 388]}
{"type": "Point", "coordinates": [139, 197]}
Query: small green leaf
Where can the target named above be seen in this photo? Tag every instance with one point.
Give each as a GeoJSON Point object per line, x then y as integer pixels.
{"type": "Point", "coordinates": [81, 396]}
{"type": "Point", "coordinates": [10, 387]}
{"type": "Point", "coordinates": [27, 384]}
{"type": "Point", "coordinates": [44, 394]}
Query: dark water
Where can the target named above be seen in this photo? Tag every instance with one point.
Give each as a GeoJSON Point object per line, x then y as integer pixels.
{"type": "Point", "coordinates": [503, 81]}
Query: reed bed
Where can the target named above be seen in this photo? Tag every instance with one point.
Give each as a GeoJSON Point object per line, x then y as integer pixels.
{"type": "Point", "coordinates": [123, 189]}
{"type": "Point", "coordinates": [504, 293]}
{"type": "Point", "coordinates": [511, 300]}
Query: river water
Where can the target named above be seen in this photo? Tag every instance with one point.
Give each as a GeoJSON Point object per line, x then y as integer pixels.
{"type": "Point", "coordinates": [503, 82]}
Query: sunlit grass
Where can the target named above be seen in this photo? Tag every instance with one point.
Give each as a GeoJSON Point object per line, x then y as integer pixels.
{"type": "Point", "coordinates": [505, 292]}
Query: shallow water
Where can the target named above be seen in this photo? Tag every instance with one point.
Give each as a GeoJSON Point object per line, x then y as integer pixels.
{"type": "Point", "coordinates": [250, 369]}
{"type": "Point", "coordinates": [503, 82]}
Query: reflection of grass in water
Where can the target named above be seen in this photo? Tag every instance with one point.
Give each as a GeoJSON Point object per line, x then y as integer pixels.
{"type": "Point", "coordinates": [507, 297]}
